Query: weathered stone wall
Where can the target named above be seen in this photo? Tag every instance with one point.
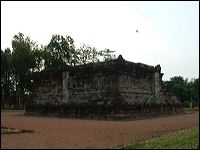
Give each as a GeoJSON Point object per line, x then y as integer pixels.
{"type": "Point", "coordinates": [48, 89]}
{"type": "Point", "coordinates": [103, 89]}
{"type": "Point", "coordinates": [66, 87]}
{"type": "Point", "coordinates": [136, 91]}
{"type": "Point", "coordinates": [95, 89]}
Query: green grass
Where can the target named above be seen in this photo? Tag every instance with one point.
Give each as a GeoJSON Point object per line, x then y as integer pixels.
{"type": "Point", "coordinates": [183, 139]}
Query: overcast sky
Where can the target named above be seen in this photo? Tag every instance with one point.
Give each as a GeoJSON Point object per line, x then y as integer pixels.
{"type": "Point", "coordinates": [168, 32]}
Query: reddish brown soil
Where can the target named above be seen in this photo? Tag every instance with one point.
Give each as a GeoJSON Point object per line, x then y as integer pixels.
{"type": "Point", "coordinates": [76, 133]}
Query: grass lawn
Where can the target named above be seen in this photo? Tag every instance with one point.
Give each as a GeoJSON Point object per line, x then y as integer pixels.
{"type": "Point", "coordinates": [183, 139]}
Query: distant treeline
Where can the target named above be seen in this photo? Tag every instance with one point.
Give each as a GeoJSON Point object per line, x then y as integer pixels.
{"type": "Point", "coordinates": [26, 57]}
{"type": "Point", "coordinates": [187, 91]}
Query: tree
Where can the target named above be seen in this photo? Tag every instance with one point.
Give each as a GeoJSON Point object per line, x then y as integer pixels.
{"type": "Point", "coordinates": [23, 64]}
{"type": "Point", "coordinates": [187, 91]}
{"type": "Point", "coordinates": [87, 54]}
{"type": "Point", "coordinates": [107, 54]}
{"type": "Point", "coordinates": [59, 52]}
{"type": "Point", "coordinates": [178, 86]}
{"type": "Point", "coordinates": [26, 57]}
{"type": "Point", "coordinates": [94, 54]}
{"type": "Point", "coordinates": [194, 91]}
{"type": "Point", "coordinates": [6, 74]}
{"type": "Point", "coordinates": [38, 59]}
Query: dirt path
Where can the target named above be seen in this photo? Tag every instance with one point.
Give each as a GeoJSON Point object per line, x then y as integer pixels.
{"type": "Point", "coordinates": [76, 133]}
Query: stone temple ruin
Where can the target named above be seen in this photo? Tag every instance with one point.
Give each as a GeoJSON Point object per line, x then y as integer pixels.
{"type": "Point", "coordinates": [115, 89]}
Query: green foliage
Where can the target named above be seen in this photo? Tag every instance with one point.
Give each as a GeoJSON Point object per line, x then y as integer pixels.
{"type": "Point", "coordinates": [187, 91]}
{"type": "Point", "coordinates": [6, 76]}
{"type": "Point", "coordinates": [17, 67]}
{"type": "Point", "coordinates": [107, 54]}
{"type": "Point", "coordinates": [26, 57]}
{"type": "Point", "coordinates": [60, 52]}
{"type": "Point", "coordinates": [87, 54]}
{"type": "Point", "coordinates": [23, 61]}
{"type": "Point", "coordinates": [38, 55]}
{"type": "Point", "coordinates": [183, 139]}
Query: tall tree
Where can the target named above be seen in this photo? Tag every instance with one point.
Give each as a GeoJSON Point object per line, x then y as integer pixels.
{"type": "Point", "coordinates": [6, 75]}
{"type": "Point", "coordinates": [60, 51]}
{"type": "Point", "coordinates": [23, 63]}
